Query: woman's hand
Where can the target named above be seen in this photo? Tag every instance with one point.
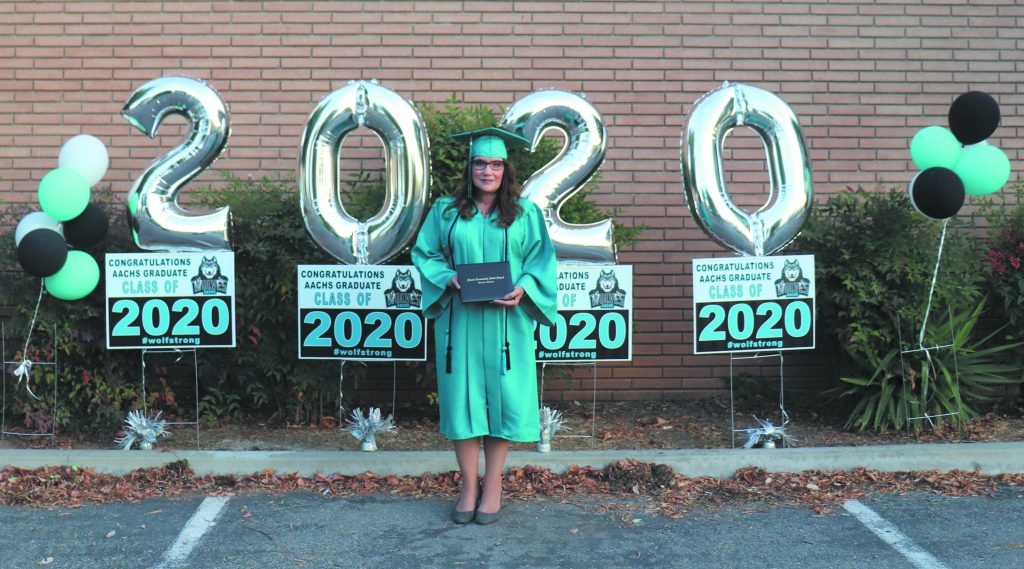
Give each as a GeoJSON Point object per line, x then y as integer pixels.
{"type": "Point", "coordinates": [512, 298]}
{"type": "Point", "coordinates": [454, 283]}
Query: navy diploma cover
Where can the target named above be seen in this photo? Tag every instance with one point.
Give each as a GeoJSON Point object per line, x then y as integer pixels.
{"type": "Point", "coordinates": [483, 282]}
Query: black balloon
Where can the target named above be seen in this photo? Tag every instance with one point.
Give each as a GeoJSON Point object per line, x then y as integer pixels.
{"type": "Point", "coordinates": [937, 193]}
{"type": "Point", "coordinates": [973, 117]}
{"type": "Point", "coordinates": [88, 229]}
{"type": "Point", "coordinates": [42, 252]}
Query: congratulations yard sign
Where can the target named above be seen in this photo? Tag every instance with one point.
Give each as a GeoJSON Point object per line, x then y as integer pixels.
{"type": "Point", "coordinates": [361, 312]}
{"type": "Point", "coordinates": [753, 304]}
{"type": "Point", "coordinates": [595, 316]}
{"type": "Point", "coordinates": [170, 300]}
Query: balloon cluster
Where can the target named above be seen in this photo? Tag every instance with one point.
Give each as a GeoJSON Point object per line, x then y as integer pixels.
{"type": "Point", "coordinates": [957, 161]}
{"type": "Point", "coordinates": [45, 238]}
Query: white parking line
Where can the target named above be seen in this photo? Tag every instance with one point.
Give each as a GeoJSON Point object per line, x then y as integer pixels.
{"type": "Point", "coordinates": [889, 534]}
{"type": "Point", "coordinates": [205, 518]}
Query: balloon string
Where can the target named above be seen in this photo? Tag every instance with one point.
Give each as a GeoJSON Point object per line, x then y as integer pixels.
{"type": "Point", "coordinates": [23, 369]}
{"type": "Point", "coordinates": [341, 382]}
{"type": "Point", "coordinates": [931, 291]}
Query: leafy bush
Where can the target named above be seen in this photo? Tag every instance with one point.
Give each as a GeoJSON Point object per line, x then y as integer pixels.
{"type": "Point", "coordinates": [1006, 254]}
{"type": "Point", "coordinates": [96, 387]}
{"type": "Point", "coordinates": [876, 261]}
{"type": "Point", "coordinates": [269, 239]}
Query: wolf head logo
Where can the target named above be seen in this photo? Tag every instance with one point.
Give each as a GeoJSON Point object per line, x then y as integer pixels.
{"type": "Point", "coordinates": [209, 280]}
{"type": "Point", "coordinates": [209, 268]}
{"type": "Point", "coordinates": [792, 282]}
{"type": "Point", "coordinates": [791, 271]}
{"type": "Point", "coordinates": [403, 292]}
{"type": "Point", "coordinates": [402, 281]}
{"type": "Point", "coordinates": [607, 281]}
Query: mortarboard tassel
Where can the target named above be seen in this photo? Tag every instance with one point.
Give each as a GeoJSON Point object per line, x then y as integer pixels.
{"type": "Point", "coordinates": [448, 355]}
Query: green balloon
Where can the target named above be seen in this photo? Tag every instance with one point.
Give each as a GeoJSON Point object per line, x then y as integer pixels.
{"type": "Point", "coordinates": [63, 194]}
{"type": "Point", "coordinates": [934, 146]}
{"type": "Point", "coordinates": [983, 168]}
{"type": "Point", "coordinates": [76, 279]}
{"type": "Point", "coordinates": [133, 203]}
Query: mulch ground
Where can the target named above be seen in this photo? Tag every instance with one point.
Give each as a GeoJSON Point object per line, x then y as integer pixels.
{"type": "Point", "coordinates": [664, 491]}
{"type": "Point", "coordinates": [684, 424]}
{"type": "Point", "coordinates": [621, 425]}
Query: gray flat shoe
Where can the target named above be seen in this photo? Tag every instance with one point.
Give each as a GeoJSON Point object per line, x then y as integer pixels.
{"type": "Point", "coordinates": [483, 518]}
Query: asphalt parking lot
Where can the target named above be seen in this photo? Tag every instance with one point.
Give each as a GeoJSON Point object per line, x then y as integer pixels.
{"type": "Point", "coordinates": [304, 530]}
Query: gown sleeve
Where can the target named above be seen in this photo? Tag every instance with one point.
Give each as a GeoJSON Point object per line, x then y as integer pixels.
{"type": "Point", "coordinates": [430, 261]}
{"type": "Point", "coordinates": [540, 269]}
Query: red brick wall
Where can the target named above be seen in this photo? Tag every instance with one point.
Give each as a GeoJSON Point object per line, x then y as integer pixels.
{"type": "Point", "coordinates": [861, 76]}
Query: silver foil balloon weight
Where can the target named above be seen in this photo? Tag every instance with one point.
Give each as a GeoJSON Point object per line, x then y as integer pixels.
{"type": "Point", "coordinates": [789, 202]}
{"type": "Point", "coordinates": [768, 435]}
{"type": "Point", "coordinates": [400, 127]}
{"type": "Point", "coordinates": [143, 430]}
{"type": "Point", "coordinates": [158, 222]}
{"type": "Point", "coordinates": [550, 422]}
{"type": "Point", "coordinates": [365, 428]}
{"type": "Point", "coordinates": [581, 156]}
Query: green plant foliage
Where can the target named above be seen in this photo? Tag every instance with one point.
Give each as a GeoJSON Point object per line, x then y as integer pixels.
{"type": "Point", "coordinates": [943, 381]}
{"type": "Point", "coordinates": [270, 240]}
{"type": "Point", "coordinates": [1005, 281]}
{"type": "Point", "coordinates": [96, 387]}
{"type": "Point", "coordinates": [877, 257]}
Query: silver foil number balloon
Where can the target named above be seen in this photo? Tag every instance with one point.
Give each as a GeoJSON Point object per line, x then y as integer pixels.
{"type": "Point", "coordinates": [157, 221]}
{"type": "Point", "coordinates": [400, 128]}
{"type": "Point", "coordinates": [712, 118]}
{"type": "Point", "coordinates": [553, 185]}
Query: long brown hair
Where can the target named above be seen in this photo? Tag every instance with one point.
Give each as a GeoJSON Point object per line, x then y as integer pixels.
{"type": "Point", "coordinates": [507, 201]}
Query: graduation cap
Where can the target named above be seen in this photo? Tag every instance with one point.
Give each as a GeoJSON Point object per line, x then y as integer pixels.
{"type": "Point", "coordinates": [492, 142]}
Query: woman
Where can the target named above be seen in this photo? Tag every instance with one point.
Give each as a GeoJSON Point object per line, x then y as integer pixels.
{"type": "Point", "coordinates": [486, 371]}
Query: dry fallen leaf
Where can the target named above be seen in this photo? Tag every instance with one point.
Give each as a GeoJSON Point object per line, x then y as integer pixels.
{"type": "Point", "coordinates": [111, 534]}
{"type": "Point", "coordinates": [46, 561]}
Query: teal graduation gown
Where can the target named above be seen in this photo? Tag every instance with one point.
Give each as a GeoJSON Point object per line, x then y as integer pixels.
{"type": "Point", "coordinates": [484, 394]}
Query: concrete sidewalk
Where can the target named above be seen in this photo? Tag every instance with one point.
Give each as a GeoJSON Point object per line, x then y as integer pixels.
{"type": "Point", "coordinates": [989, 458]}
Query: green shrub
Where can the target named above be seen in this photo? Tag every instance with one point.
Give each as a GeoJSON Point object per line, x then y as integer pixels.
{"type": "Point", "coordinates": [262, 376]}
{"type": "Point", "coordinates": [96, 387]}
{"type": "Point", "coordinates": [1005, 215]}
{"type": "Point", "coordinates": [876, 257]}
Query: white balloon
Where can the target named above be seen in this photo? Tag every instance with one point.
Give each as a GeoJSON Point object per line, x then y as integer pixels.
{"type": "Point", "coordinates": [33, 221]}
{"type": "Point", "coordinates": [86, 155]}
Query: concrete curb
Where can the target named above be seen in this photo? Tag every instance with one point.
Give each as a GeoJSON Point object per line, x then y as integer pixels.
{"type": "Point", "coordinates": [988, 458]}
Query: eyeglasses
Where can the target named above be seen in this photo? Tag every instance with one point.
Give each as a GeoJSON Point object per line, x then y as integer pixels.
{"type": "Point", "coordinates": [496, 166]}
